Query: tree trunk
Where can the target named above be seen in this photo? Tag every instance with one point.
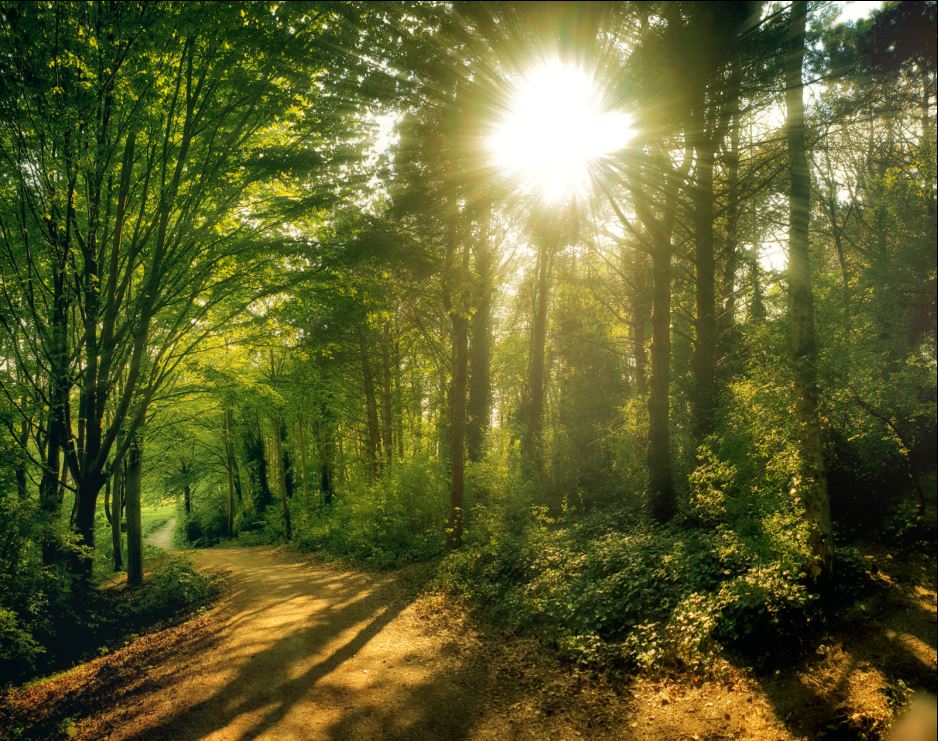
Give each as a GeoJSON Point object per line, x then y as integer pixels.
{"type": "Point", "coordinates": [729, 303]}
{"type": "Point", "coordinates": [705, 334]}
{"type": "Point", "coordinates": [386, 403]}
{"type": "Point", "coordinates": [371, 407]}
{"type": "Point", "coordinates": [479, 405]}
{"type": "Point", "coordinates": [812, 484]}
{"type": "Point", "coordinates": [117, 507]}
{"type": "Point", "coordinates": [134, 526]}
{"type": "Point", "coordinates": [533, 441]}
{"type": "Point", "coordinates": [301, 444]}
{"type": "Point", "coordinates": [227, 424]}
{"type": "Point", "coordinates": [282, 477]}
{"type": "Point", "coordinates": [659, 457]}
{"type": "Point", "coordinates": [640, 309]}
{"type": "Point", "coordinates": [455, 276]}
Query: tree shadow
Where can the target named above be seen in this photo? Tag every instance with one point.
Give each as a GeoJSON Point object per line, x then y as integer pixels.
{"type": "Point", "coordinates": [894, 636]}
{"type": "Point", "coordinates": [266, 677]}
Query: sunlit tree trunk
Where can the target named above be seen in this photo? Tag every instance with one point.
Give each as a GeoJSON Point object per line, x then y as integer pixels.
{"type": "Point", "coordinates": [725, 322]}
{"type": "Point", "coordinates": [705, 328]}
{"type": "Point", "coordinates": [117, 508]}
{"type": "Point", "coordinates": [480, 382]}
{"type": "Point", "coordinates": [812, 485]}
{"type": "Point", "coordinates": [455, 269]}
{"type": "Point", "coordinates": [659, 455]}
{"type": "Point", "coordinates": [533, 440]}
{"type": "Point", "coordinates": [230, 469]}
{"type": "Point", "coordinates": [301, 444]}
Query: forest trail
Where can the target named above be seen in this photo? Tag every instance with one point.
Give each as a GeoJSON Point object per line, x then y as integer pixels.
{"type": "Point", "coordinates": [163, 536]}
{"type": "Point", "coordinates": [301, 650]}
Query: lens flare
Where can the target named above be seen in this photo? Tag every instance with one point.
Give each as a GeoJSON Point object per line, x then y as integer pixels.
{"type": "Point", "coordinates": [555, 128]}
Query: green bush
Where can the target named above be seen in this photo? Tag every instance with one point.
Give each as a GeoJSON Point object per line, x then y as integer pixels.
{"type": "Point", "coordinates": [606, 589]}
{"type": "Point", "coordinates": [207, 521]}
{"type": "Point", "coordinates": [398, 518]}
{"type": "Point", "coordinates": [173, 589]}
{"type": "Point", "coordinates": [19, 651]}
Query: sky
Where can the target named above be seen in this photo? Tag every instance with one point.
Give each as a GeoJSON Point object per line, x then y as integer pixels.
{"type": "Point", "coordinates": [852, 11]}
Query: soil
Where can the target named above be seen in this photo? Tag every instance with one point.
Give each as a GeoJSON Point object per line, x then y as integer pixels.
{"type": "Point", "coordinates": [311, 651]}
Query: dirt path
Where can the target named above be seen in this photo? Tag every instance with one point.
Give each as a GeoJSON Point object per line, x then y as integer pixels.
{"type": "Point", "coordinates": [297, 650]}
{"type": "Point", "coordinates": [163, 536]}
{"type": "Point", "coordinates": [307, 651]}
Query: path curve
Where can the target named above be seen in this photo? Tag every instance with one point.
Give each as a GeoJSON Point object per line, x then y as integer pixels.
{"type": "Point", "coordinates": [162, 537]}
{"type": "Point", "coordinates": [306, 651]}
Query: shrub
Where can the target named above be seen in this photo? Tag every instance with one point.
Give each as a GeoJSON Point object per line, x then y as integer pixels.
{"type": "Point", "coordinates": [173, 589]}
{"type": "Point", "coordinates": [19, 651]}
{"type": "Point", "coordinates": [605, 589]}
{"type": "Point", "coordinates": [396, 519]}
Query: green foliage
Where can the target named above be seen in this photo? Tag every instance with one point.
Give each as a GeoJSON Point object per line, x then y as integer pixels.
{"type": "Point", "coordinates": [19, 650]}
{"type": "Point", "coordinates": [174, 588]}
{"type": "Point", "coordinates": [608, 589]}
{"type": "Point", "coordinates": [206, 523]}
{"type": "Point", "coordinates": [396, 519]}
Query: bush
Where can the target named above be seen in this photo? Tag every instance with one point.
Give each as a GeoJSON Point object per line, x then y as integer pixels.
{"type": "Point", "coordinates": [207, 522]}
{"type": "Point", "coordinates": [175, 588]}
{"type": "Point", "coordinates": [608, 590]}
{"type": "Point", "coordinates": [399, 518]}
{"type": "Point", "coordinates": [19, 651]}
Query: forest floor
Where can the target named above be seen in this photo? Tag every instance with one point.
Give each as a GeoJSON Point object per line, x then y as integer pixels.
{"type": "Point", "coordinates": [296, 649]}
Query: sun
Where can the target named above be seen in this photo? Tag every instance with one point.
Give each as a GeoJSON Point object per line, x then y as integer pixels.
{"type": "Point", "coordinates": [555, 128]}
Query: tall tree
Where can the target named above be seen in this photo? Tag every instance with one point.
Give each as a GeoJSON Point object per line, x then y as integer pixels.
{"type": "Point", "coordinates": [812, 486]}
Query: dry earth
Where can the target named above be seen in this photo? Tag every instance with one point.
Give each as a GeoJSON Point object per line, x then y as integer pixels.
{"type": "Point", "coordinates": [310, 651]}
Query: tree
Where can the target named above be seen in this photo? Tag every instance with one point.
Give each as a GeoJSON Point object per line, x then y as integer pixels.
{"type": "Point", "coordinates": [812, 486]}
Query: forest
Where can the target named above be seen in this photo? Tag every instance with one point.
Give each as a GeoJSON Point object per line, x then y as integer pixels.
{"type": "Point", "coordinates": [468, 369]}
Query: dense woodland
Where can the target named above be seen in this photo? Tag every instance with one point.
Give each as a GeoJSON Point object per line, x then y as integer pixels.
{"type": "Point", "coordinates": [643, 401]}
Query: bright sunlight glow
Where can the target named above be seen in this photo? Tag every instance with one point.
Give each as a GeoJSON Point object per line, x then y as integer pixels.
{"type": "Point", "coordinates": [555, 128]}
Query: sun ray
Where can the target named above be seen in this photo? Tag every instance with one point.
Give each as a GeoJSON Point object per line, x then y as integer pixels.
{"type": "Point", "coordinates": [556, 126]}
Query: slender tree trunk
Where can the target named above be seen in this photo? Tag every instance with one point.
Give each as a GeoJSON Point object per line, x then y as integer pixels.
{"type": "Point", "coordinates": [479, 405]}
{"type": "Point", "coordinates": [660, 469]}
{"type": "Point", "coordinates": [117, 507]}
{"type": "Point", "coordinates": [705, 328]}
{"type": "Point", "coordinates": [640, 310]}
{"type": "Point", "coordinates": [371, 407]}
{"type": "Point", "coordinates": [812, 486]}
{"type": "Point", "coordinates": [533, 442]}
{"type": "Point", "coordinates": [282, 477]}
{"type": "Point", "coordinates": [399, 402]}
{"type": "Point", "coordinates": [731, 258]}
{"type": "Point", "coordinates": [386, 401]}
{"type": "Point", "coordinates": [134, 526]}
{"type": "Point", "coordinates": [301, 443]}
{"type": "Point", "coordinates": [227, 425]}
{"type": "Point", "coordinates": [20, 465]}
{"type": "Point", "coordinates": [455, 275]}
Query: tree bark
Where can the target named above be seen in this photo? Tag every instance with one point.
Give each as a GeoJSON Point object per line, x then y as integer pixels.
{"type": "Point", "coordinates": [705, 328]}
{"type": "Point", "coordinates": [387, 415]}
{"type": "Point", "coordinates": [134, 526]}
{"type": "Point", "coordinates": [227, 425]}
{"type": "Point", "coordinates": [371, 406]}
{"type": "Point", "coordinates": [659, 455]}
{"type": "Point", "coordinates": [533, 441]}
{"type": "Point", "coordinates": [479, 405]}
{"type": "Point", "coordinates": [812, 485]}
{"type": "Point", "coordinates": [455, 305]}
{"type": "Point", "coordinates": [117, 507]}
{"type": "Point", "coordinates": [282, 476]}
